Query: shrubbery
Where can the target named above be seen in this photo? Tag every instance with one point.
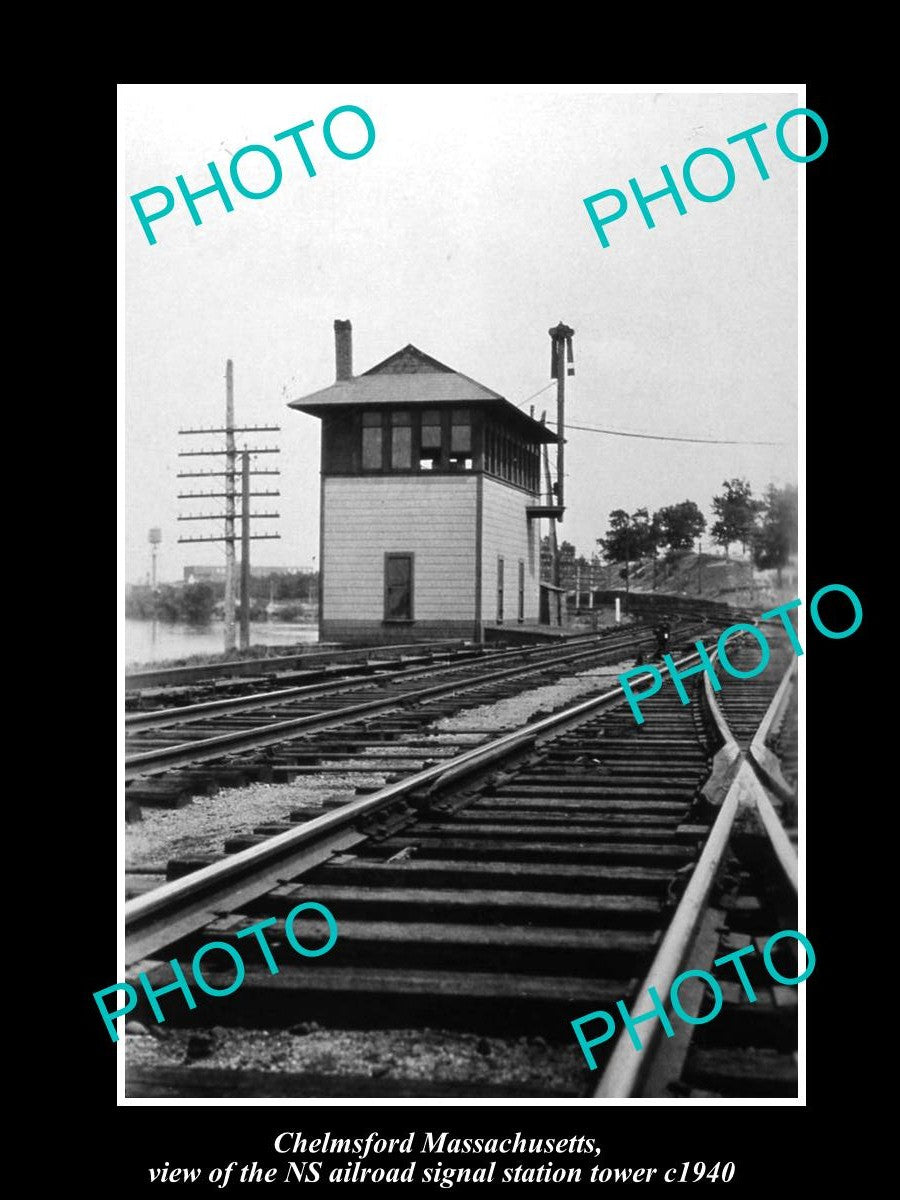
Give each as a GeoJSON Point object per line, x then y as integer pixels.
{"type": "Point", "coordinates": [193, 604]}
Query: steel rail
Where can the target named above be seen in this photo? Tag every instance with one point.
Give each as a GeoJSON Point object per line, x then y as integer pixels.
{"type": "Point", "coordinates": [764, 761]}
{"type": "Point", "coordinates": [176, 676]}
{"type": "Point", "coordinates": [767, 768]}
{"type": "Point", "coordinates": [739, 789]}
{"type": "Point", "coordinates": [159, 718]}
{"type": "Point", "coordinates": [784, 848]}
{"type": "Point", "coordinates": [154, 762]}
{"type": "Point", "coordinates": [626, 1065]}
{"type": "Point", "coordinates": [184, 714]}
{"type": "Point", "coordinates": [175, 909]}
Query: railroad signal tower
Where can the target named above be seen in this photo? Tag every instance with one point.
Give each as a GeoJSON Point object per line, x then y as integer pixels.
{"type": "Point", "coordinates": [430, 501]}
{"type": "Point", "coordinates": [229, 494]}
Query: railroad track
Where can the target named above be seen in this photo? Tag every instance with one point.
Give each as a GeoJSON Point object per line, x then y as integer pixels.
{"type": "Point", "coordinates": [280, 734]}
{"type": "Point", "coordinates": [370, 675]}
{"type": "Point", "coordinates": [488, 900]}
{"type": "Point", "coordinates": [150, 690]}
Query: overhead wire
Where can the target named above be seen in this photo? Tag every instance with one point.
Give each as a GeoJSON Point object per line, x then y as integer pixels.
{"type": "Point", "coordinates": [655, 437]}
{"type": "Point", "coordinates": [662, 437]}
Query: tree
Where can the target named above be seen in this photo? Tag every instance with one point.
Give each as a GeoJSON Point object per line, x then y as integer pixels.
{"type": "Point", "coordinates": [645, 532]}
{"type": "Point", "coordinates": [170, 603]}
{"type": "Point", "coordinates": [614, 544]}
{"type": "Point", "coordinates": [679, 525]}
{"type": "Point", "coordinates": [198, 601]}
{"type": "Point", "coordinates": [139, 602]}
{"type": "Point", "coordinates": [298, 585]}
{"type": "Point", "coordinates": [776, 538]}
{"type": "Point", "coordinates": [736, 512]}
{"type": "Point", "coordinates": [630, 537]}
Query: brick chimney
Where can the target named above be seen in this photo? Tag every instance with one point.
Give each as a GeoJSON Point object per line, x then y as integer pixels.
{"type": "Point", "coordinates": [343, 350]}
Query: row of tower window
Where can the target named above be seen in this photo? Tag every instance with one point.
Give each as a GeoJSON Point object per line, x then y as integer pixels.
{"type": "Point", "coordinates": [394, 432]}
{"type": "Point", "coordinates": [441, 440]}
{"type": "Point", "coordinates": [511, 458]}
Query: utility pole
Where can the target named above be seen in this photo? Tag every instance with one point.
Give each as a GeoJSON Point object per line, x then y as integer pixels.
{"type": "Point", "coordinates": [593, 581]}
{"type": "Point", "coordinates": [229, 506]}
{"type": "Point", "coordinates": [627, 559]}
{"type": "Point", "coordinates": [560, 355]}
{"type": "Point", "coordinates": [699, 567]}
{"type": "Point", "coordinates": [245, 550]}
{"type": "Point", "coordinates": [554, 546]}
{"type": "Point", "coordinates": [228, 494]}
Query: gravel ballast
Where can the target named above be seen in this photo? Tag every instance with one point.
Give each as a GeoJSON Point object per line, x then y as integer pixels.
{"type": "Point", "coordinates": [430, 1055]}
{"type": "Point", "coordinates": [202, 826]}
{"type": "Point", "coordinates": [412, 1054]}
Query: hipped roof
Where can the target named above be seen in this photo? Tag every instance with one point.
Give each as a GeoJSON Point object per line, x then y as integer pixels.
{"type": "Point", "coordinates": [411, 378]}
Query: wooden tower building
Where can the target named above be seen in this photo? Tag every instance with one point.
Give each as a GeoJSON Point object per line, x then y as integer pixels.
{"type": "Point", "coordinates": [430, 502]}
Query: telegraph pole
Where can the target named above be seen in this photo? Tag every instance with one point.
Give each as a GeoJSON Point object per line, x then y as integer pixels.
{"type": "Point", "coordinates": [228, 494]}
{"type": "Point", "coordinates": [699, 567]}
{"type": "Point", "coordinates": [554, 545]}
{"type": "Point", "coordinates": [229, 506]}
{"type": "Point", "coordinates": [245, 551]}
{"type": "Point", "coordinates": [561, 355]}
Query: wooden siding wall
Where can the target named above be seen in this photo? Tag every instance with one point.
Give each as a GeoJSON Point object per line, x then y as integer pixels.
{"type": "Point", "coordinates": [507, 533]}
{"type": "Point", "coordinates": [433, 517]}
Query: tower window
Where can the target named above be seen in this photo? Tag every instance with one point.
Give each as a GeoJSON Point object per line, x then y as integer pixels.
{"type": "Point", "coordinates": [371, 441]}
{"type": "Point", "coordinates": [489, 449]}
{"type": "Point", "coordinates": [430, 457]}
{"type": "Point", "coordinates": [511, 457]}
{"type": "Point", "coordinates": [461, 439]}
{"type": "Point", "coordinates": [401, 440]}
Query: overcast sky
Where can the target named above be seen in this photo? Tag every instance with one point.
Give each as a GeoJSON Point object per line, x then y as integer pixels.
{"type": "Point", "coordinates": [462, 231]}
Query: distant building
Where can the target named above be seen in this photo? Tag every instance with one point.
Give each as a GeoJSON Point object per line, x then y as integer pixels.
{"type": "Point", "coordinates": [203, 574]}
{"type": "Point", "coordinates": [429, 502]}
{"type": "Point", "coordinates": [209, 574]}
